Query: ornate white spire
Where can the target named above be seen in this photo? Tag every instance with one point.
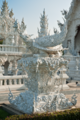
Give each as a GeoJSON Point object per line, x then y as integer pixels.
{"type": "Point", "coordinates": [4, 8]}
{"type": "Point", "coordinates": [43, 25]}
{"type": "Point", "coordinates": [11, 13]}
{"type": "Point", "coordinates": [23, 26]}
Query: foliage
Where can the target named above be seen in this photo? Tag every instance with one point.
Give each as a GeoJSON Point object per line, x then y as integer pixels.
{"type": "Point", "coordinates": [73, 114]}
{"type": "Point", "coordinates": [3, 114]}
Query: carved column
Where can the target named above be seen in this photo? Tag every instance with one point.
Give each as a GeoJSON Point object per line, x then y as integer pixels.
{"type": "Point", "coordinates": [23, 80]}
{"type": "Point", "coordinates": [14, 67]}
{"type": "Point", "coordinates": [15, 81]}
{"type": "Point", "coordinates": [0, 82]}
{"type": "Point", "coordinates": [19, 81]}
{"type": "Point", "coordinates": [1, 71]}
{"type": "Point", "coordinates": [5, 82]}
{"type": "Point", "coordinates": [10, 67]}
{"type": "Point", "coordinates": [6, 65]}
{"type": "Point", "coordinates": [10, 81]}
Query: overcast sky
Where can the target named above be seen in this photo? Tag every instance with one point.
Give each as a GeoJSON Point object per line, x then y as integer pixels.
{"type": "Point", "coordinates": [31, 10]}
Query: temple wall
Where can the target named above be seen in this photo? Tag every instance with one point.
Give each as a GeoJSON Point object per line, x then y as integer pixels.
{"type": "Point", "coordinates": [75, 21]}
{"type": "Point", "coordinates": [77, 42]}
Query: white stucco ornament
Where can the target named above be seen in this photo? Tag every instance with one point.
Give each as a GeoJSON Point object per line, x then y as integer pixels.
{"type": "Point", "coordinates": [42, 94]}
{"type": "Point", "coordinates": [29, 103]}
{"type": "Point", "coordinates": [44, 67]}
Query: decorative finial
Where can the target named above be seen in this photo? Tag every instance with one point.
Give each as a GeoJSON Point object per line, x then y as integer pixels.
{"type": "Point", "coordinates": [22, 20]}
{"type": "Point", "coordinates": [11, 13]}
{"type": "Point", "coordinates": [4, 8]}
{"type": "Point", "coordinates": [38, 30]}
{"type": "Point", "coordinates": [16, 25]}
{"type": "Point", "coordinates": [55, 30]}
{"type": "Point", "coordinates": [23, 26]}
{"type": "Point", "coordinates": [44, 11]}
{"type": "Point", "coordinates": [65, 13]}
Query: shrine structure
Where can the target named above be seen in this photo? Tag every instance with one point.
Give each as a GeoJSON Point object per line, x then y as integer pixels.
{"type": "Point", "coordinates": [11, 48]}
{"type": "Point", "coordinates": [11, 45]}
{"type": "Point", "coordinates": [72, 40]}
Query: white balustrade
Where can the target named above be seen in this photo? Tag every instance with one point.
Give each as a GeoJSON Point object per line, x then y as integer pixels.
{"type": "Point", "coordinates": [11, 48]}
{"type": "Point", "coordinates": [12, 80]}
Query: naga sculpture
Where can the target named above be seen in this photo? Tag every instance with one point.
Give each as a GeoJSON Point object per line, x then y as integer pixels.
{"type": "Point", "coordinates": [46, 43]}
{"type": "Point", "coordinates": [42, 65]}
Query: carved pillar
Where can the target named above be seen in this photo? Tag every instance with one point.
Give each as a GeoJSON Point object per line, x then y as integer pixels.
{"type": "Point", "coordinates": [10, 81]}
{"type": "Point", "coordinates": [15, 81]}
{"type": "Point", "coordinates": [19, 81]}
{"type": "Point", "coordinates": [14, 67]}
{"type": "Point", "coordinates": [23, 80]}
{"type": "Point", "coordinates": [6, 65]}
{"type": "Point", "coordinates": [5, 82]}
{"type": "Point", "coordinates": [10, 68]}
{"type": "Point", "coordinates": [1, 71]}
{"type": "Point", "coordinates": [0, 82]}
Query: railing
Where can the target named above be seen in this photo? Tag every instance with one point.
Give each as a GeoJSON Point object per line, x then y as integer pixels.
{"type": "Point", "coordinates": [12, 80]}
{"type": "Point", "coordinates": [11, 48]}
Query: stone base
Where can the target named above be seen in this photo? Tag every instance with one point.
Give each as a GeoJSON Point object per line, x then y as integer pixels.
{"type": "Point", "coordinates": [29, 102]}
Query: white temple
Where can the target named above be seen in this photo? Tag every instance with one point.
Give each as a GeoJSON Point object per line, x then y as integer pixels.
{"type": "Point", "coordinates": [11, 47]}
{"type": "Point", "coordinates": [72, 40]}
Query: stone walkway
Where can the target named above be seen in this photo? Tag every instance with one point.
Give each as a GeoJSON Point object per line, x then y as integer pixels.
{"type": "Point", "coordinates": [4, 95]}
